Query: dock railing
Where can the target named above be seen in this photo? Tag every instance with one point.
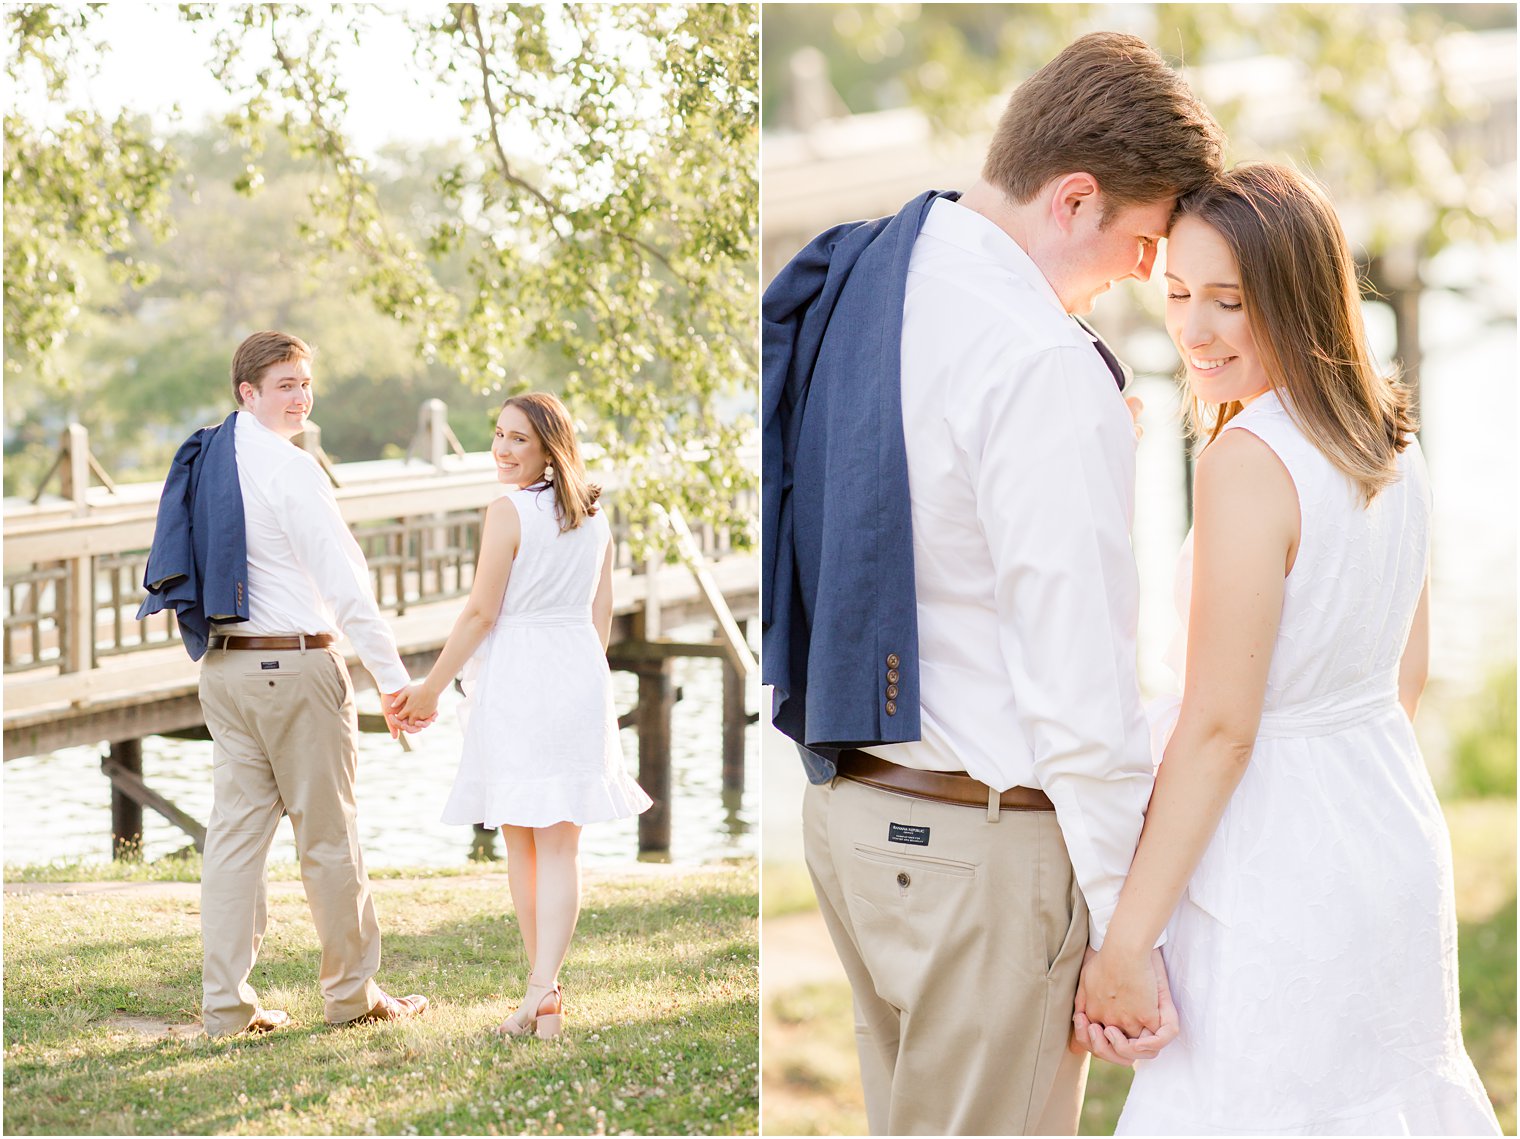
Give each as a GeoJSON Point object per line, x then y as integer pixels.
{"type": "Point", "coordinates": [80, 668]}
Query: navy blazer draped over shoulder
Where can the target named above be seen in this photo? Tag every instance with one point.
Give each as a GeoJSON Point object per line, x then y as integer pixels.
{"type": "Point", "coordinates": [840, 609]}
{"type": "Point", "coordinates": [198, 565]}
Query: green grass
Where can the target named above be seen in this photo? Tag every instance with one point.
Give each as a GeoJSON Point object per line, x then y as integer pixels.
{"type": "Point", "coordinates": [1483, 749]}
{"type": "Point", "coordinates": [812, 1084]}
{"type": "Point", "coordinates": [1483, 844]}
{"type": "Point", "coordinates": [812, 1077]}
{"type": "Point", "coordinates": [785, 888]}
{"type": "Point", "coordinates": [660, 990]}
{"type": "Point", "coordinates": [186, 867]}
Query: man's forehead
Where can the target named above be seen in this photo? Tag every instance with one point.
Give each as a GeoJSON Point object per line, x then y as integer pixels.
{"type": "Point", "coordinates": [299, 368]}
{"type": "Point", "coordinates": [1146, 219]}
{"type": "Point", "coordinates": [1155, 218]}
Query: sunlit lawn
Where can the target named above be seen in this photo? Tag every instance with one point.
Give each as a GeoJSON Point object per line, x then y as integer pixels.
{"type": "Point", "coordinates": [660, 990]}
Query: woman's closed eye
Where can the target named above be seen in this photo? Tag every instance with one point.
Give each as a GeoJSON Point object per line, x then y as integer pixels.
{"type": "Point", "coordinates": [1227, 306]}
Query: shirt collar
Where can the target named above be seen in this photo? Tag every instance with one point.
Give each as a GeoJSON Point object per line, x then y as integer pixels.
{"type": "Point", "coordinates": [247, 421]}
{"type": "Point", "coordinates": [254, 438]}
{"type": "Point", "coordinates": [980, 236]}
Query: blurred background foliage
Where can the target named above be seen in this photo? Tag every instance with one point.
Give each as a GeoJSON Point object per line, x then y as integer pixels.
{"type": "Point", "coordinates": [1370, 97]}
{"type": "Point", "coordinates": [588, 226]}
{"type": "Point", "coordinates": [1483, 750]}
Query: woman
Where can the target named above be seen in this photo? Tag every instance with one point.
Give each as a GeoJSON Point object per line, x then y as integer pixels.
{"type": "Point", "coordinates": [541, 751]}
{"type": "Point", "coordinates": [1294, 851]}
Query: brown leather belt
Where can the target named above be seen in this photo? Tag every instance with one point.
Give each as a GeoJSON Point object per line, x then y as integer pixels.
{"type": "Point", "coordinates": [938, 786]}
{"type": "Point", "coordinates": [274, 644]}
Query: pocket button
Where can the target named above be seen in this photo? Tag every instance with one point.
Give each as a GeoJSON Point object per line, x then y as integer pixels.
{"type": "Point", "coordinates": [903, 879]}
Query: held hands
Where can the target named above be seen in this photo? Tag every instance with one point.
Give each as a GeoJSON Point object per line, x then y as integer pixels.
{"type": "Point", "coordinates": [1124, 1010]}
{"type": "Point", "coordinates": [409, 710]}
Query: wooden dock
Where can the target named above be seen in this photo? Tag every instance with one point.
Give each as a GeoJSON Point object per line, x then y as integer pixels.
{"type": "Point", "coordinates": [80, 669]}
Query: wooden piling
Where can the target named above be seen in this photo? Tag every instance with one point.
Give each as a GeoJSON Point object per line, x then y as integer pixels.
{"type": "Point", "coordinates": [735, 720]}
{"type": "Point", "coordinates": [79, 629]}
{"type": "Point", "coordinates": [657, 699]}
{"type": "Point", "coordinates": [126, 812]}
{"type": "Point", "coordinates": [80, 670]}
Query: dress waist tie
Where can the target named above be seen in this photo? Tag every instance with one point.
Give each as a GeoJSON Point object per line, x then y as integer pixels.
{"type": "Point", "coordinates": [1333, 712]}
{"type": "Point", "coordinates": [547, 618]}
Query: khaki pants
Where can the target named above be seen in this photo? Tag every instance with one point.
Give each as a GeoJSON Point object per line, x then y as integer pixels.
{"type": "Point", "coordinates": [286, 738]}
{"type": "Point", "coordinates": [963, 954]}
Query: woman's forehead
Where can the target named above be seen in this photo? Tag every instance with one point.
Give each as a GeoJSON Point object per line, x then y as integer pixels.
{"type": "Point", "coordinates": [514, 418]}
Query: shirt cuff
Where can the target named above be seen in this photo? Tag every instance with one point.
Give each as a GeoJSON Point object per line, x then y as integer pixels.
{"type": "Point", "coordinates": [392, 677]}
{"type": "Point", "coordinates": [1097, 929]}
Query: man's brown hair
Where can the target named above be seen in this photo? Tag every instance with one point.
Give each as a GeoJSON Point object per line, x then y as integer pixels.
{"type": "Point", "coordinates": [260, 351]}
{"type": "Point", "coordinates": [1108, 106]}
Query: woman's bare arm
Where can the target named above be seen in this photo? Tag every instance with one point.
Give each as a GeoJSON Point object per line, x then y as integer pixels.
{"type": "Point", "coordinates": [601, 604]}
{"type": "Point", "coordinates": [500, 534]}
{"type": "Point", "coordinates": [1414, 665]}
{"type": "Point", "coordinates": [1245, 534]}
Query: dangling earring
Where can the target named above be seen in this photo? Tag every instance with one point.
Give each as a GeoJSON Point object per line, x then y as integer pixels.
{"type": "Point", "coordinates": [548, 475]}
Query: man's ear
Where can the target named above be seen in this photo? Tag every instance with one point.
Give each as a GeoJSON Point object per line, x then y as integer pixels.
{"type": "Point", "coordinates": [1071, 196]}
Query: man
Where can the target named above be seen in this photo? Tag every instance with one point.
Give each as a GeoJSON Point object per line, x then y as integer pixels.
{"type": "Point", "coordinates": [951, 601]}
{"type": "Point", "coordinates": [251, 551]}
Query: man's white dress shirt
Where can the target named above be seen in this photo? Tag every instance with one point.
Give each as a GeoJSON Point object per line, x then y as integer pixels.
{"type": "Point", "coordinates": [306, 573]}
{"type": "Point", "coordinates": [1021, 473]}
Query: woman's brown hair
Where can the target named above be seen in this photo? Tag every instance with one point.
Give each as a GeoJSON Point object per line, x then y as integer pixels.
{"type": "Point", "coordinates": [1298, 283]}
{"type": "Point", "coordinates": [574, 497]}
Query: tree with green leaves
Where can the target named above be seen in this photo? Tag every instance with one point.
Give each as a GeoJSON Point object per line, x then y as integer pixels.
{"type": "Point", "coordinates": [77, 184]}
{"type": "Point", "coordinates": [603, 209]}
{"type": "Point", "coordinates": [1379, 107]}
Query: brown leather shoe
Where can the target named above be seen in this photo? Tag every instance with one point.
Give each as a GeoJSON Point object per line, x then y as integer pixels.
{"type": "Point", "coordinates": [391, 1008]}
{"type": "Point", "coordinates": [267, 1020]}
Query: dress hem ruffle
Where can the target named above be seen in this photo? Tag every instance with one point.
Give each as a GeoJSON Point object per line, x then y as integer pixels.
{"type": "Point", "coordinates": [1449, 1108]}
{"type": "Point", "coordinates": [542, 803]}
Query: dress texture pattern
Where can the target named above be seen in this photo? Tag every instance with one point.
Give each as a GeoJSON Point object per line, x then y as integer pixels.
{"type": "Point", "coordinates": [540, 732]}
{"type": "Point", "coordinates": [1313, 957]}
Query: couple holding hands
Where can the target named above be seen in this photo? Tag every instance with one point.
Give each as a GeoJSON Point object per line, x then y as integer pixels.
{"type": "Point", "coordinates": [252, 553]}
{"type": "Point", "coordinates": [1257, 912]}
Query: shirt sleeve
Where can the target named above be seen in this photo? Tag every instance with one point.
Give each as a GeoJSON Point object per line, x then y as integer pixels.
{"type": "Point", "coordinates": [326, 549]}
{"type": "Point", "coordinates": [1050, 448]}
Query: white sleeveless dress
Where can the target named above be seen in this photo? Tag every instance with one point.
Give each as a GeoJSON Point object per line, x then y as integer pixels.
{"type": "Point", "coordinates": [540, 732]}
{"type": "Point", "coordinates": [1313, 957]}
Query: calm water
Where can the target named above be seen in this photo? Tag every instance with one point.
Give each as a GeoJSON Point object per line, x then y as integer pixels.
{"type": "Point", "coordinates": [58, 806]}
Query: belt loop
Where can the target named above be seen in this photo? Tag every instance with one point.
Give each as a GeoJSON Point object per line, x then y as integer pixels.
{"type": "Point", "coordinates": [302, 637]}
{"type": "Point", "coordinates": [994, 804]}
